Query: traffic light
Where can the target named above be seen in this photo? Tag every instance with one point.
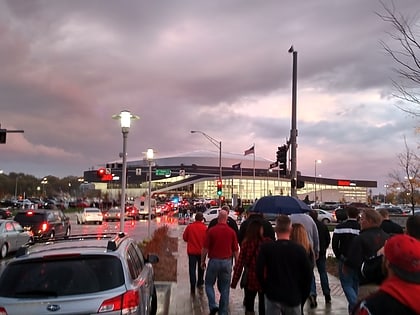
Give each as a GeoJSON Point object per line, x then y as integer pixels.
{"type": "Point", "coordinates": [101, 172]}
{"type": "Point", "coordinates": [219, 187]}
{"type": "Point", "coordinates": [282, 159]}
{"type": "Point", "coordinates": [3, 133]}
{"type": "Point", "coordinates": [104, 174]}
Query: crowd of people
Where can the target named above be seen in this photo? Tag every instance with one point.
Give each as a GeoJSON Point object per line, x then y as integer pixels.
{"type": "Point", "coordinates": [276, 264]}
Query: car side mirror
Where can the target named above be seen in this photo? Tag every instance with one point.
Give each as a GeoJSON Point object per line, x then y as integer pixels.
{"type": "Point", "coordinates": [152, 258]}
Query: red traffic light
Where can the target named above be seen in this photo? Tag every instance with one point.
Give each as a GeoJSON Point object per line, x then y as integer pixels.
{"type": "Point", "coordinates": [101, 172]}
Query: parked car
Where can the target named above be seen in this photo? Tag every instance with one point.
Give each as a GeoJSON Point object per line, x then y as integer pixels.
{"type": "Point", "coordinates": [12, 237]}
{"type": "Point", "coordinates": [44, 223]}
{"type": "Point", "coordinates": [90, 275]}
{"type": "Point", "coordinates": [113, 214]}
{"type": "Point", "coordinates": [212, 213]}
{"type": "Point", "coordinates": [326, 216]}
{"type": "Point", "coordinates": [5, 213]}
{"type": "Point", "coordinates": [89, 215]}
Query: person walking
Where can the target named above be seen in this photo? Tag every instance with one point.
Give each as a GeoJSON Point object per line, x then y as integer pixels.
{"type": "Point", "coordinates": [399, 293]}
{"type": "Point", "coordinates": [246, 266]}
{"type": "Point", "coordinates": [387, 225]}
{"type": "Point", "coordinates": [299, 235]}
{"type": "Point", "coordinates": [313, 236]}
{"type": "Point", "coordinates": [284, 272]}
{"type": "Point", "coordinates": [221, 246]}
{"type": "Point", "coordinates": [324, 243]}
{"type": "Point", "coordinates": [195, 234]}
{"type": "Point", "coordinates": [367, 244]}
{"type": "Point", "coordinates": [343, 235]}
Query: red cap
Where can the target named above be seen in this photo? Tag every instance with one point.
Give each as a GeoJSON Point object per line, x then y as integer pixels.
{"type": "Point", "coordinates": [403, 253]}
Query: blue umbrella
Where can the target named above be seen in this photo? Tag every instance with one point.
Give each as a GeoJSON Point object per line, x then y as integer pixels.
{"type": "Point", "coordinates": [279, 205]}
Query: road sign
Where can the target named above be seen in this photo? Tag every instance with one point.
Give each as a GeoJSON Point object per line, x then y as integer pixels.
{"type": "Point", "coordinates": [138, 171]}
{"type": "Point", "coordinates": [163, 172]}
{"type": "Point", "coordinates": [181, 172]}
{"type": "Point", "coordinates": [274, 164]}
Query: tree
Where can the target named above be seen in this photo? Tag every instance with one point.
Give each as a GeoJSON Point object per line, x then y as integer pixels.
{"type": "Point", "coordinates": [407, 58]}
{"type": "Point", "coordinates": [409, 179]}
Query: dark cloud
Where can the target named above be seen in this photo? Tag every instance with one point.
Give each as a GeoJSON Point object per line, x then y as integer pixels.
{"type": "Point", "coordinates": [215, 66]}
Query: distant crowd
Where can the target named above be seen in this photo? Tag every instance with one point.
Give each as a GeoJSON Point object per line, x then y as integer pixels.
{"type": "Point", "coordinates": [378, 262]}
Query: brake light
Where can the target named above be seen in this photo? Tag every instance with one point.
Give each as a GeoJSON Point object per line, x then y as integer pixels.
{"type": "Point", "coordinates": [127, 303]}
{"type": "Point", "coordinates": [29, 213]}
{"type": "Point", "coordinates": [44, 226]}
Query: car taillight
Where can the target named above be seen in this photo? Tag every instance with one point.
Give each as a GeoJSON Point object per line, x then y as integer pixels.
{"type": "Point", "coordinates": [3, 311]}
{"type": "Point", "coordinates": [44, 226]}
{"type": "Point", "coordinates": [127, 303]}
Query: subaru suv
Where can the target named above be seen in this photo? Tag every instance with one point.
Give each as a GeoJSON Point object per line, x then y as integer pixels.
{"type": "Point", "coordinates": [84, 274]}
{"type": "Point", "coordinates": [44, 224]}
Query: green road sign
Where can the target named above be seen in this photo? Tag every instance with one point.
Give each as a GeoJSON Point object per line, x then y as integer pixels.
{"type": "Point", "coordinates": [163, 172]}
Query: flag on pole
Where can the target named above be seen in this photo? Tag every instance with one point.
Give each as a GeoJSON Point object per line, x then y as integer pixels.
{"type": "Point", "coordinates": [250, 150]}
{"type": "Point", "coordinates": [237, 166]}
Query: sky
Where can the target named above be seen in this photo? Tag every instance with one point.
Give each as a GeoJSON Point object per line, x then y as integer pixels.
{"type": "Point", "coordinates": [221, 67]}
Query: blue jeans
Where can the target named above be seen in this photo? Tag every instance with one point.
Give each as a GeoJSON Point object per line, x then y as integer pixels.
{"type": "Point", "coordinates": [193, 265]}
{"type": "Point", "coordinates": [323, 277]}
{"type": "Point", "coordinates": [220, 270]}
{"type": "Point", "coordinates": [276, 308]}
{"type": "Point", "coordinates": [350, 283]}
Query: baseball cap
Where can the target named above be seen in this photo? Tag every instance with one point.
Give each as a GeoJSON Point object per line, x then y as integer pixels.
{"type": "Point", "coordinates": [403, 253]}
{"type": "Point", "coordinates": [199, 216]}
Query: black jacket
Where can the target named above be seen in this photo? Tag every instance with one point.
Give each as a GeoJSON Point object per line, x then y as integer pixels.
{"type": "Point", "coordinates": [391, 227]}
{"type": "Point", "coordinates": [324, 237]}
{"type": "Point", "coordinates": [343, 234]}
{"type": "Point", "coordinates": [364, 246]}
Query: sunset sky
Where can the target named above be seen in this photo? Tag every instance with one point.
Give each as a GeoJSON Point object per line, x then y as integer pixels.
{"type": "Point", "coordinates": [221, 67]}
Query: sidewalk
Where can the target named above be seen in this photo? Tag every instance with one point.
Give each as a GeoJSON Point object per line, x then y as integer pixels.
{"type": "Point", "coordinates": [182, 303]}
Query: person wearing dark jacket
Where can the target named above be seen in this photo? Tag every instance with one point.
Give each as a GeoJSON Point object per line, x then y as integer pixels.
{"type": "Point", "coordinates": [268, 230]}
{"type": "Point", "coordinates": [389, 226]}
{"type": "Point", "coordinates": [343, 235]}
{"type": "Point", "coordinates": [284, 271]}
{"type": "Point", "coordinates": [367, 244]}
{"type": "Point", "coordinates": [400, 292]}
{"type": "Point", "coordinates": [324, 242]}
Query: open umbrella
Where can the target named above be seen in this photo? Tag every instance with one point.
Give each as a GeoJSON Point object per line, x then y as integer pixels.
{"type": "Point", "coordinates": [279, 205]}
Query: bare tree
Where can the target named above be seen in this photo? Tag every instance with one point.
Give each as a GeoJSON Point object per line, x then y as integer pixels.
{"type": "Point", "coordinates": [406, 57]}
{"type": "Point", "coordinates": [409, 179]}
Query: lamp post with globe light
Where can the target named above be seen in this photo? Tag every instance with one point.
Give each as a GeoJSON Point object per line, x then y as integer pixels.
{"type": "Point", "coordinates": [125, 118]}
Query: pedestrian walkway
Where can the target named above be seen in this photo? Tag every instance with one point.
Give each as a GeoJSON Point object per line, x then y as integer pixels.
{"type": "Point", "coordinates": [182, 303]}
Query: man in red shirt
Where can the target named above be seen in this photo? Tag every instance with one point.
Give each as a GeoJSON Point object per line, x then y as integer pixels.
{"type": "Point", "coordinates": [221, 245]}
{"type": "Point", "coordinates": [195, 234]}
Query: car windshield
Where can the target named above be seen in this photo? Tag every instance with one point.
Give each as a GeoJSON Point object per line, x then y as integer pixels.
{"type": "Point", "coordinates": [51, 277]}
{"type": "Point", "coordinates": [93, 210]}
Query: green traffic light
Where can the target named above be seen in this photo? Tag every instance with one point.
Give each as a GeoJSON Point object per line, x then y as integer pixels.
{"type": "Point", "coordinates": [219, 192]}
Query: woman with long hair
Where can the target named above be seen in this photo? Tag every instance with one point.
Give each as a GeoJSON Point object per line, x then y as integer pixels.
{"type": "Point", "coordinates": [247, 264]}
{"type": "Point", "coordinates": [299, 235]}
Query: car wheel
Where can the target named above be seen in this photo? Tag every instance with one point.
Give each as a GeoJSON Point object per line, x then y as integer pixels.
{"type": "Point", "coordinates": [77, 220]}
{"type": "Point", "coordinates": [100, 222]}
{"type": "Point", "coordinates": [52, 234]}
{"type": "Point", "coordinates": [153, 304]}
{"type": "Point", "coordinates": [325, 221]}
{"type": "Point", "coordinates": [4, 250]}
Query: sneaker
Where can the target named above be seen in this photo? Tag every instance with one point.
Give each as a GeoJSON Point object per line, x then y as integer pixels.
{"type": "Point", "coordinates": [312, 301]}
{"type": "Point", "coordinates": [214, 311]}
{"type": "Point", "coordinates": [328, 299]}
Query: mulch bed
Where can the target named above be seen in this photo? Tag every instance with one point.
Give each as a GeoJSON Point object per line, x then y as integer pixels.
{"type": "Point", "coordinates": [163, 246]}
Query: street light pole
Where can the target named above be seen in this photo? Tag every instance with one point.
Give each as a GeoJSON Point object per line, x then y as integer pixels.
{"type": "Point", "coordinates": [316, 162]}
{"type": "Point", "coordinates": [149, 157]}
{"type": "Point", "coordinates": [125, 118]}
{"type": "Point", "coordinates": [218, 144]}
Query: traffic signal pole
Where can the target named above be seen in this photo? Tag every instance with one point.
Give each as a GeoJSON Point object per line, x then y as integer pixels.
{"type": "Point", "coordinates": [293, 131]}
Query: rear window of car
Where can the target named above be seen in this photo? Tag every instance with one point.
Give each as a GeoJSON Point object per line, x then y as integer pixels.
{"type": "Point", "coordinates": [92, 210]}
{"type": "Point", "coordinates": [29, 217]}
{"type": "Point", "coordinates": [51, 277]}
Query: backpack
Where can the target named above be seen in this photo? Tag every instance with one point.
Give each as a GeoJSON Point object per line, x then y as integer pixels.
{"type": "Point", "coordinates": [372, 270]}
